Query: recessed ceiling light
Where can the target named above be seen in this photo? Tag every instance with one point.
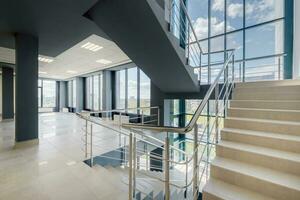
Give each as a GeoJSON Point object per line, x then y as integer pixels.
{"type": "Point", "coordinates": [46, 60]}
{"type": "Point", "coordinates": [41, 72]}
{"type": "Point", "coordinates": [104, 61]}
{"type": "Point", "coordinates": [92, 47]}
{"type": "Point", "coordinates": [72, 72]}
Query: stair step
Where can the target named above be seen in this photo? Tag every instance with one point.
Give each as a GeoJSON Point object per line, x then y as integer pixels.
{"type": "Point", "coordinates": [276, 126]}
{"type": "Point", "coordinates": [272, 89]}
{"type": "Point", "coordinates": [266, 94]}
{"type": "Point", "coordinates": [219, 190]}
{"type": "Point", "coordinates": [285, 161]}
{"type": "Point", "coordinates": [268, 182]}
{"type": "Point", "coordinates": [265, 104]}
{"type": "Point", "coordinates": [271, 114]}
{"type": "Point", "coordinates": [272, 83]}
{"type": "Point", "coordinates": [265, 139]}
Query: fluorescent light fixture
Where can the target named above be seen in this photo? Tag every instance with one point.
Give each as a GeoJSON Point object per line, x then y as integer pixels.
{"type": "Point", "coordinates": [92, 47]}
{"type": "Point", "coordinates": [104, 61]}
{"type": "Point", "coordinates": [46, 60]}
{"type": "Point", "coordinates": [70, 163]}
{"type": "Point", "coordinates": [41, 72]}
{"type": "Point", "coordinates": [43, 163]}
{"type": "Point", "coordinates": [71, 72]}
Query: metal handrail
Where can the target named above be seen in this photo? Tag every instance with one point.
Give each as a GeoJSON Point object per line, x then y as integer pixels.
{"type": "Point", "coordinates": [195, 117]}
{"type": "Point", "coordinates": [121, 109]}
{"type": "Point", "coordinates": [86, 116]}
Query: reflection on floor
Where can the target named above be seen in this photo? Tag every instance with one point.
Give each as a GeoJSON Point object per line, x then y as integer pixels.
{"type": "Point", "coordinates": [53, 169]}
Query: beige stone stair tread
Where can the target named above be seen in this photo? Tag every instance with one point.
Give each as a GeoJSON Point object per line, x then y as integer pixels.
{"type": "Point", "coordinates": [263, 134]}
{"type": "Point", "coordinates": [266, 100]}
{"type": "Point", "coordinates": [261, 150]}
{"type": "Point", "coordinates": [266, 109]}
{"type": "Point", "coordinates": [266, 83]}
{"type": "Point", "coordinates": [265, 120]}
{"type": "Point", "coordinates": [227, 191]}
{"type": "Point", "coordinates": [262, 173]}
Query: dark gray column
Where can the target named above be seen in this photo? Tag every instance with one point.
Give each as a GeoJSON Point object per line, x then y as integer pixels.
{"type": "Point", "coordinates": [106, 90]}
{"type": "Point", "coordinates": [26, 87]}
{"type": "Point", "coordinates": [7, 93]}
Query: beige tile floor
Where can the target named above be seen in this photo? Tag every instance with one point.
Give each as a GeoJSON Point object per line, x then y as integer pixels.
{"type": "Point", "coordinates": [53, 169]}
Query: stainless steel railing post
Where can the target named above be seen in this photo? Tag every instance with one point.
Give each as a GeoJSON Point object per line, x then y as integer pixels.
{"type": "Point", "coordinates": [134, 164]}
{"type": "Point", "coordinates": [279, 68]}
{"type": "Point", "coordinates": [217, 112]}
{"type": "Point", "coordinates": [125, 163]}
{"type": "Point", "coordinates": [188, 46]}
{"type": "Point", "coordinates": [86, 138]}
{"type": "Point", "coordinates": [158, 116]}
{"type": "Point", "coordinates": [186, 175]}
{"type": "Point", "coordinates": [146, 153]}
{"type": "Point", "coordinates": [120, 127]}
{"type": "Point", "coordinates": [233, 68]}
{"type": "Point", "coordinates": [142, 116]}
{"type": "Point", "coordinates": [167, 169]}
{"type": "Point", "coordinates": [240, 72]}
{"type": "Point", "coordinates": [195, 161]}
{"type": "Point", "coordinates": [91, 148]}
{"type": "Point", "coordinates": [130, 192]}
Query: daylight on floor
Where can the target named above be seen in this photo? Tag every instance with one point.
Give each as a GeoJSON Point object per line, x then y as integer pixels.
{"type": "Point", "coordinates": [150, 100]}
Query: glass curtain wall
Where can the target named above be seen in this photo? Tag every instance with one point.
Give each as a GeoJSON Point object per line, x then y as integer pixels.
{"type": "Point", "coordinates": [133, 89]}
{"type": "Point", "coordinates": [93, 92]}
{"type": "Point", "coordinates": [255, 28]}
{"type": "Point", "coordinates": [72, 93]}
{"type": "Point", "coordinates": [46, 93]}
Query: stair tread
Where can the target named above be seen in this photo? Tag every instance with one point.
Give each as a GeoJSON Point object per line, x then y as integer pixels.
{"type": "Point", "coordinates": [228, 191]}
{"type": "Point", "coordinates": [263, 134]}
{"type": "Point", "coordinates": [266, 109]}
{"type": "Point", "coordinates": [266, 100]}
{"type": "Point", "coordinates": [265, 120]}
{"type": "Point", "coordinates": [261, 150]}
{"type": "Point", "coordinates": [262, 173]}
{"type": "Point", "coordinates": [288, 82]}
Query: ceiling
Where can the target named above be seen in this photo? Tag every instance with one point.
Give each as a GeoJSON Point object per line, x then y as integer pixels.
{"type": "Point", "coordinates": [78, 61]}
{"type": "Point", "coordinates": [61, 30]}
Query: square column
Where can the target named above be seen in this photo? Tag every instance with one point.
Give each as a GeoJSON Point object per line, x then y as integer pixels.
{"type": "Point", "coordinates": [7, 93]}
{"type": "Point", "coordinates": [26, 87]}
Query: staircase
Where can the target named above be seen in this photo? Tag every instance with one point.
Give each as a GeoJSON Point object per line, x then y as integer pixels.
{"type": "Point", "coordinates": [146, 188]}
{"type": "Point", "coordinates": [258, 157]}
{"type": "Point", "coordinates": [139, 28]}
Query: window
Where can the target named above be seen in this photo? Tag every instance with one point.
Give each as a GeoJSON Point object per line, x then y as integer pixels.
{"type": "Point", "coordinates": [49, 93]}
{"type": "Point", "coordinates": [235, 14]}
{"type": "Point", "coordinates": [72, 93]}
{"type": "Point", "coordinates": [145, 90]}
{"type": "Point", "coordinates": [254, 28]}
{"type": "Point", "coordinates": [46, 93]}
{"type": "Point", "coordinates": [258, 11]}
{"type": "Point", "coordinates": [120, 89]}
{"type": "Point", "coordinates": [96, 93]}
{"type": "Point", "coordinates": [93, 92]}
{"type": "Point", "coordinates": [235, 41]}
{"type": "Point", "coordinates": [217, 23]}
{"type": "Point", "coordinates": [264, 40]}
{"type": "Point", "coordinates": [40, 96]}
{"type": "Point", "coordinates": [133, 89]}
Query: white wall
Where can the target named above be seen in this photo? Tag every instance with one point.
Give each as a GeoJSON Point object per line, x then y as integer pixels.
{"type": "Point", "coordinates": [296, 39]}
